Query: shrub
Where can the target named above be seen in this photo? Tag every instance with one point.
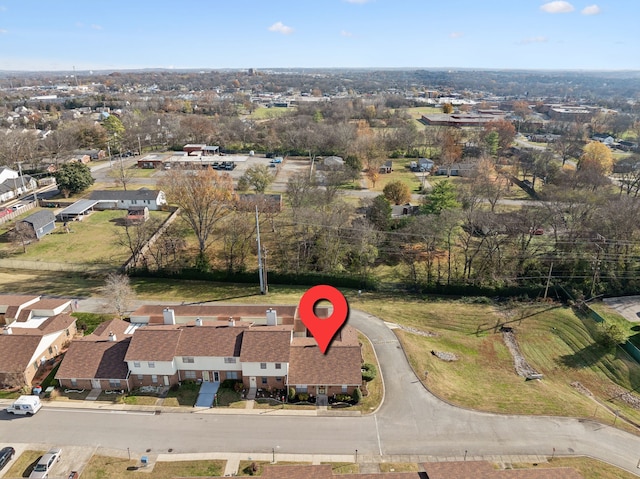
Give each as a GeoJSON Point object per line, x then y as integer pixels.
{"type": "Point", "coordinates": [369, 372]}
{"type": "Point", "coordinates": [343, 397]}
{"type": "Point", "coordinates": [292, 394]}
{"type": "Point", "coordinates": [357, 395]}
{"type": "Point", "coordinates": [303, 396]}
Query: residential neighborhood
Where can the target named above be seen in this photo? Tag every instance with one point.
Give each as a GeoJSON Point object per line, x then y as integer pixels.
{"type": "Point", "coordinates": [158, 230]}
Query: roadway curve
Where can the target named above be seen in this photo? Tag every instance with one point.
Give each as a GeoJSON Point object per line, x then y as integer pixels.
{"type": "Point", "coordinates": [410, 421]}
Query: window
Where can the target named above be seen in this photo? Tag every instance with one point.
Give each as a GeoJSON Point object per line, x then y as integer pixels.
{"type": "Point", "coordinates": [151, 364]}
{"type": "Point", "coordinates": [114, 383]}
{"type": "Point", "coordinates": [278, 366]}
{"type": "Point", "coordinates": [50, 350]}
{"type": "Point", "coordinates": [35, 365]}
{"type": "Point", "coordinates": [301, 388]}
{"type": "Point", "coordinates": [264, 380]}
{"type": "Point", "coordinates": [74, 382]}
{"type": "Point", "coordinates": [232, 375]}
{"type": "Point", "coordinates": [140, 377]}
{"type": "Point", "coordinates": [263, 365]}
{"type": "Point", "coordinates": [136, 364]}
{"type": "Point", "coordinates": [189, 374]}
{"type": "Point", "coordinates": [187, 360]}
{"type": "Point", "coordinates": [67, 331]}
{"type": "Point", "coordinates": [344, 389]}
{"type": "Point", "coordinates": [278, 378]}
{"type": "Point", "coordinates": [230, 360]}
{"type": "Point", "coordinates": [154, 378]}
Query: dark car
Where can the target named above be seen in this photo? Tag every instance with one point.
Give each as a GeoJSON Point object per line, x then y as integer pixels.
{"type": "Point", "coordinates": [6, 454]}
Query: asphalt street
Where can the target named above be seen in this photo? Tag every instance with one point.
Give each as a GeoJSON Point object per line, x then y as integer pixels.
{"type": "Point", "coordinates": [411, 421]}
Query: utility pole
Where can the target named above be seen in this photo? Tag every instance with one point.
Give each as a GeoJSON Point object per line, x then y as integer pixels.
{"type": "Point", "coordinates": [546, 289]}
{"type": "Point", "coordinates": [260, 275]}
{"type": "Point", "coordinates": [24, 188]}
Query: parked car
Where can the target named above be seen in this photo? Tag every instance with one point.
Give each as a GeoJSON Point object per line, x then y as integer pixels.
{"type": "Point", "coordinates": [6, 454]}
{"type": "Point", "coordinates": [17, 206]}
{"type": "Point", "coordinates": [46, 462]}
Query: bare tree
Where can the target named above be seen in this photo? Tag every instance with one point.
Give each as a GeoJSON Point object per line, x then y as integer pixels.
{"type": "Point", "coordinates": [204, 199]}
{"type": "Point", "coordinates": [118, 293]}
{"type": "Point", "coordinates": [22, 234]}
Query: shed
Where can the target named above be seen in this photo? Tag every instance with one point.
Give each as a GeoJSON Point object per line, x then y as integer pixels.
{"type": "Point", "coordinates": [42, 222]}
{"type": "Point", "coordinates": [137, 214]}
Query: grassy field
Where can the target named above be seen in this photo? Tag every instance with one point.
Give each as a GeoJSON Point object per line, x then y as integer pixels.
{"type": "Point", "coordinates": [552, 338]}
{"type": "Point", "coordinates": [103, 467]}
{"type": "Point", "coordinates": [589, 468]}
{"type": "Point", "coordinates": [268, 113]}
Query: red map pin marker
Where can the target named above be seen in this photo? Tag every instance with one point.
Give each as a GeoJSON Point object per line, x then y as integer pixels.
{"type": "Point", "coordinates": [323, 330]}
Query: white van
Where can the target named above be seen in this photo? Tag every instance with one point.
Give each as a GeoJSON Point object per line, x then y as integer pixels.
{"type": "Point", "coordinates": [25, 405]}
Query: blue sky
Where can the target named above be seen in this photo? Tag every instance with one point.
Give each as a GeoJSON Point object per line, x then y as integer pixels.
{"type": "Point", "coordinates": [211, 34]}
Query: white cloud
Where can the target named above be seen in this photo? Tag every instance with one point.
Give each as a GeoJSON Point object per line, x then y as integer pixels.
{"type": "Point", "coordinates": [557, 6]}
{"type": "Point", "coordinates": [591, 10]}
{"type": "Point", "coordinates": [3, 8]}
{"type": "Point", "coordinates": [345, 33]}
{"type": "Point", "coordinates": [96, 27]}
{"type": "Point", "coordinates": [281, 28]}
{"type": "Point", "coordinates": [527, 41]}
{"type": "Point", "coordinates": [3, 31]}
{"type": "Point", "coordinates": [455, 34]}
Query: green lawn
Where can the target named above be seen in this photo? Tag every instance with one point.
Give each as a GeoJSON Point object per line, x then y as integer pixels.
{"type": "Point", "coordinates": [555, 341]}
{"type": "Point", "coordinates": [103, 467]}
{"type": "Point", "coordinates": [79, 245]}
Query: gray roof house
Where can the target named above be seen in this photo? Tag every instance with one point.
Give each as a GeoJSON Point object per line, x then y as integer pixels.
{"type": "Point", "coordinates": [122, 200]}
{"type": "Point", "coordinates": [42, 222]}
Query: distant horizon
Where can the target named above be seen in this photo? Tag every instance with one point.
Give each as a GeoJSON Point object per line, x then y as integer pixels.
{"type": "Point", "coordinates": [554, 35]}
{"type": "Point", "coordinates": [87, 72]}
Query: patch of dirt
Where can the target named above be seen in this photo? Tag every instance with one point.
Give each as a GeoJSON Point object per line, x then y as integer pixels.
{"type": "Point", "coordinates": [444, 356]}
{"type": "Point", "coordinates": [580, 388]}
{"type": "Point", "coordinates": [409, 329]}
{"type": "Point", "coordinates": [522, 366]}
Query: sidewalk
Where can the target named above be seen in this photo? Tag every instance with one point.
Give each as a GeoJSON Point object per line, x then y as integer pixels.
{"type": "Point", "coordinates": [142, 409]}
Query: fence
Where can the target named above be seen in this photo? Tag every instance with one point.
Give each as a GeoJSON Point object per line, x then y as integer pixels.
{"type": "Point", "coordinates": [14, 214]}
{"type": "Point", "coordinates": [629, 347]}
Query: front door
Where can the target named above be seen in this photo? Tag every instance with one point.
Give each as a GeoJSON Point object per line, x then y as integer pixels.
{"type": "Point", "coordinates": [166, 380]}
{"type": "Point", "coordinates": [216, 377]}
{"type": "Point", "coordinates": [252, 382]}
{"type": "Point", "coordinates": [95, 384]}
{"type": "Point", "coordinates": [320, 390]}
{"type": "Point", "coordinates": [205, 376]}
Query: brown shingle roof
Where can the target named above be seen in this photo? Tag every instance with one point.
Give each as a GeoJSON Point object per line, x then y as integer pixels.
{"type": "Point", "coordinates": [115, 326]}
{"type": "Point", "coordinates": [340, 365]}
{"type": "Point", "coordinates": [266, 345]}
{"type": "Point", "coordinates": [323, 471]}
{"type": "Point", "coordinates": [153, 344]}
{"type": "Point", "coordinates": [49, 303]}
{"type": "Point", "coordinates": [220, 341]}
{"type": "Point", "coordinates": [102, 359]}
{"type": "Point", "coordinates": [57, 323]}
{"type": "Point", "coordinates": [17, 351]}
{"type": "Point", "coordinates": [16, 299]}
{"type": "Point", "coordinates": [484, 470]}
{"type": "Point", "coordinates": [214, 311]}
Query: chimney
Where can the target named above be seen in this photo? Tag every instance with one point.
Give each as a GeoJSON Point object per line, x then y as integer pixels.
{"type": "Point", "coordinates": [7, 330]}
{"type": "Point", "coordinates": [232, 322]}
{"type": "Point", "coordinates": [272, 317]}
{"type": "Point", "coordinates": [169, 316]}
{"type": "Point", "coordinates": [198, 321]}
{"type": "Point", "coordinates": [112, 337]}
